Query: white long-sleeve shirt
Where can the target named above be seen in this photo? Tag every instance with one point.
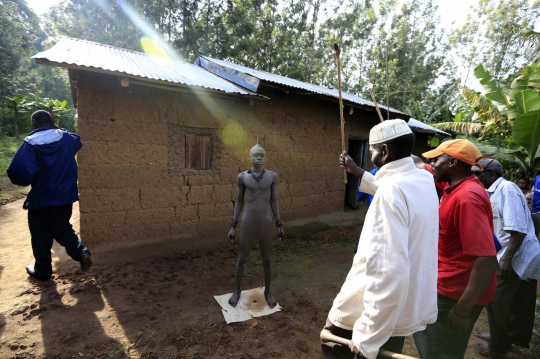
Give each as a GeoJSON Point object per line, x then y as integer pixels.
{"type": "Point", "coordinates": [511, 213]}
{"type": "Point", "coordinates": [391, 289]}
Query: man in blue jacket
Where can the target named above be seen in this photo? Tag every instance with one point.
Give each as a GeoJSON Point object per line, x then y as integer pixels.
{"type": "Point", "coordinates": [46, 161]}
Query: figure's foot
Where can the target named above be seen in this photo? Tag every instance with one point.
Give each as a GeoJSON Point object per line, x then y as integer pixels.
{"type": "Point", "coordinates": [86, 261]}
{"type": "Point", "coordinates": [270, 300]}
{"type": "Point", "coordinates": [483, 348]}
{"type": "Point", "coordinates": [233, 300]}
{"type": "Point", "coordinates": [482, 335]}
{"type": "Point", "coordinates": [33, 273]}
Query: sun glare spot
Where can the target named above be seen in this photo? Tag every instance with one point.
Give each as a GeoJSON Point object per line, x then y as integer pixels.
{"type": "Point", "coordinates": [232, 134]}
{"type": "Point", "coordinates": [150, 47]}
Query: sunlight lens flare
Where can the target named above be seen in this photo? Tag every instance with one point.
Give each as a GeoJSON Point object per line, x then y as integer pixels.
{"type": "Point", "coordinates": [151, 47]}
{"type": "Point", "coordinates": [233, 134]}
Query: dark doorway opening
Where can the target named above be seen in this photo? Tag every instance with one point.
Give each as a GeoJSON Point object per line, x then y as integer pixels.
{"type": "Point", "coordinates": [358, 151]}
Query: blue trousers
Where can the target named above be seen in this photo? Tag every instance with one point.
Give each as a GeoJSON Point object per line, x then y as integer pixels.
{"type": "Point", "coordinates": [435, 342]}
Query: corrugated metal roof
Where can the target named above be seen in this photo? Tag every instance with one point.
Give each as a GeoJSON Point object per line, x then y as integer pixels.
{"type": "Point", "coordinates": [250, 79]}
{"type": "Point", "coordinates": [87, 54]}
{"type": "Point", "coordinates": [418, 126]}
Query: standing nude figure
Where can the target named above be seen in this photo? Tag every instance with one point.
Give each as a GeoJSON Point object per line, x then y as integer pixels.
{"type": "Point", "coordinates": [257, 187]}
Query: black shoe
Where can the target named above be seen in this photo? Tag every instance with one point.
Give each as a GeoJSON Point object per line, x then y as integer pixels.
{"type": "Point", "coordinates": [86, 261]}
{"type": "Point", "coordinates": [33, 273]}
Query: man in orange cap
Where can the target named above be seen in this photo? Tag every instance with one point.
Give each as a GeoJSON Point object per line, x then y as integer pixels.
{"type": "Point", "coordinates": [467, 257]}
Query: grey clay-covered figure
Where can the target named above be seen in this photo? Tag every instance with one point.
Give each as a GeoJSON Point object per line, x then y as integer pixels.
{"type": "Point", "coordinates": [257, 189]}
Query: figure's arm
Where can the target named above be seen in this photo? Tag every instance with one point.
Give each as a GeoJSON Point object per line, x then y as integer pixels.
{"type": "Point", "coordinates": [387, 275]}
{"type": "Point", "coordinates": [476, 241]}
{"type": "Point", "coordinates": [481, 277]}
{"type": "Point", "coordinates": [275, 207]}
{"type": "Point", "coordinates": [515, 213]}
{"type": "Point", "coordinates": [23, 168]}
{"type": "Point", "coordinates": [76, 141]}
{"type": "Point", "coordinates": [237, 206]}
{"type": "Point", "coordinates": [516, 238]}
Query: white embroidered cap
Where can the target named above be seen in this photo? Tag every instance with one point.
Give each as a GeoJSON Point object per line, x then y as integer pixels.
{"type": "Point", "coordinates": [388, 130]}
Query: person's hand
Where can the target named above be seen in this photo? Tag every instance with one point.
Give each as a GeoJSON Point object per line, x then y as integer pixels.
{"type": "Point", "coordinates": [506, 269]}
{"type": "Point", "coordinates": [355, 351]}
{"type": "Point", "coordinates": [347, 162]}
{"type": "Point", "coordinates": [280, 232]}
{"type": "Point", "coordinates": [232, 235]}
{"type": "Point", "coordinates": [458, 322]}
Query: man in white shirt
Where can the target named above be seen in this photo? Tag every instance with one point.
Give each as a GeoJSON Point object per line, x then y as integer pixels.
{"type": "Point", "coordinates": [391, 289]}
{"type": "Point", "coordinates": [511, 312]}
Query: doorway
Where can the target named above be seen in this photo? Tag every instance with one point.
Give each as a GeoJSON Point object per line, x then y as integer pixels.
{"type": "Point", "coordinates": [358, 150]}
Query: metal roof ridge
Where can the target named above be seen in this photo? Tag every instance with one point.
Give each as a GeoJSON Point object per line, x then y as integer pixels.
{"type": "Point", "coordinates": [321, 90]}
{"type": "Point", "coordinates": [119, 48]}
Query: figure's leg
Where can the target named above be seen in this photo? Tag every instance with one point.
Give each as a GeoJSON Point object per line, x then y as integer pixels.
{"type": "Point", "coordinates": [243, 255]}
{"type": "Point", "coordinates": [66, 236]}
{"type": "Point", "coordinates": [522, 313]}
{"type": "Point", "coordinates": [266, 249]}
{"type": "Point", "coordinates": [42, 241]}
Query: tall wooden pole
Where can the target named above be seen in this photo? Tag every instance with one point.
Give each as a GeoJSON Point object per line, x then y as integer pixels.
{"type": "Point", "coordinates": [343, 147]}
{"type": "Point", "coordinates": [377, 106]}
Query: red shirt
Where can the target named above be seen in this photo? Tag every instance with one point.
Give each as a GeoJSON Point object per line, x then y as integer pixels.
{"type": "Point", "coordinates": [465, 233]}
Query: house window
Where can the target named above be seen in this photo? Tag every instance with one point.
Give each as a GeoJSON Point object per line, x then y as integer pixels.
{"type": "Point", "coordinates": [198, 152]}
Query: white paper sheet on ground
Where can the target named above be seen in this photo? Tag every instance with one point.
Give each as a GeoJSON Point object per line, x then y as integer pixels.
{"type": "Point", "coordinates": [252, 304]}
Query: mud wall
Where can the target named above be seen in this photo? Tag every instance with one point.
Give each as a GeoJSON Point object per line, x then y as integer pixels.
{"type": "Point", "coordinates": [133, 181]}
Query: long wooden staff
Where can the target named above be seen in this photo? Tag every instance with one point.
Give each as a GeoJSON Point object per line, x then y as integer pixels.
{"type": "Point", "coordinates": [327, 336]}
{"type": "Point", "coordinates": [343, 148]}
{"type": "Point", "coordinates": [377, 106]}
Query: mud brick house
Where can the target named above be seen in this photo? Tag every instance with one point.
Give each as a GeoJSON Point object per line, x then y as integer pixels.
{"type": "Point", "coordinates": [164, 141]}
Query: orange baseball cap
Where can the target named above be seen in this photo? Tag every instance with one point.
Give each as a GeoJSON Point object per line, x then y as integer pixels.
{"type": "Point", "coordinates": [463, 150]}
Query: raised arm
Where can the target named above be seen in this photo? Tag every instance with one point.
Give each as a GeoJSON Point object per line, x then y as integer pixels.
{"type": "Point", "coordinates": [237, 206]}
{"type": "Point", "coordinates": [275, 207]}
{"type": "Point", "coordinates": [367, 184]}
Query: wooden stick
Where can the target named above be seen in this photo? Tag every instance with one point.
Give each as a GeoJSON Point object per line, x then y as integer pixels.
{"type": "Point", "coordinates": [342, 118]}
{"type": "Point", "coordinates": [327, 336]}
{"type": "Point", "coordinates": [376, 106]}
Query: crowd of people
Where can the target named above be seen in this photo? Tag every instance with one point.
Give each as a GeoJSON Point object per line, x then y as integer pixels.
{"type": "Point", "coordinates": [440, 242]}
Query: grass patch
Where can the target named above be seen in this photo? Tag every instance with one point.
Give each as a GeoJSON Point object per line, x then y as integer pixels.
{"type": "Point", "coordinates": [8, 191]}
{"type": "Point", "coordinates": [8, 147]}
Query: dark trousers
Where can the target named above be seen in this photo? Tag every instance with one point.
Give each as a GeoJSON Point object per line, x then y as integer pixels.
{"type": "Point", "coordinates": [333, 350]}
{"type": "Point", "coordinates": [51, 223]}
{"type": "Point", "coordinates": [435, 342]}
{"type": "Point", "coordinates": [536, 222]}
{"type": "Point", "coordinates": [511, 314]}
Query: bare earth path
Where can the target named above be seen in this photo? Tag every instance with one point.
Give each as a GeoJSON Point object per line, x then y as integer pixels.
{"type": "Point", "coordinates": [159, 304]}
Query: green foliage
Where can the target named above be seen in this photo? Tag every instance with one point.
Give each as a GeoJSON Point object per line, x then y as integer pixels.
{"type": "Point", "coordinates": [20, 107]}
{"type": "Point", "coordinates": [8, 147]}
{"type": "Point", "coordinates": [509, 112]}
{"type": "Point", "coordinates": [489, 35]}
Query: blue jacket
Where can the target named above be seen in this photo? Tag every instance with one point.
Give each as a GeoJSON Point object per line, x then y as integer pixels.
{"type": "Point", "coordinates": [46, 160]}
{"type": "Point", "coordinates": [363, 196]}
{"type": "Point", "coordinates": [536, 196]}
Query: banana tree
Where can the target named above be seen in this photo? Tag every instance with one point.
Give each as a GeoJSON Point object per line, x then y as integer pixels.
{"type": "Point", "coordinates": [56, 108]}
{"type": "Point", "coordinates": [510, 114]}
{"type": "Point", "coordinates": [20, 105]}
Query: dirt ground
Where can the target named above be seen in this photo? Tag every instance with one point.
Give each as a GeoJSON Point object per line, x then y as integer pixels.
{"type": "Point", "coordinates": [159, 304]}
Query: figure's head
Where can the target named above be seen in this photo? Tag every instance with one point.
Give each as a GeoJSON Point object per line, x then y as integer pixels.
{"type": "Point", "coordinates": [493, 170]}
{"type": "Point", "coordinates": [257, 155]}
{"type": "Point", "coordinates": [390, 141]}
{"type": "Point", "coordinates": [41, 118]}
{"type": "Point", "coordinates": [454, 158]}
{"type": "Point", "coordinates": [524, 183]}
